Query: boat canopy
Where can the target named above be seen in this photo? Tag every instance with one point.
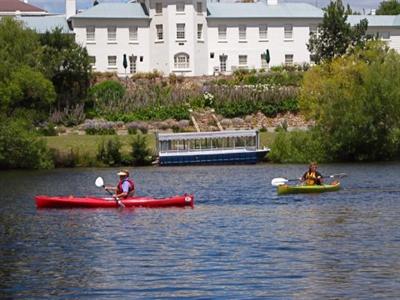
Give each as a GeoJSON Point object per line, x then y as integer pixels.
{"type": "Point", "coordinates": [206, 135]}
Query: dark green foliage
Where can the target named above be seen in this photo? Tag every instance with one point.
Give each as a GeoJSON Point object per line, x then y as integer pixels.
{"type": "Point", "coordinates": [100, 131]}
{"type": "Point", "coordinates": [22, 83]}
{"type": "Point", "coordinates": [335, 35]}
{"type": "Point", "coordinates": [140, 152]}
{"type": "Point", "coordinates": [298, 147]}
{"type": "Point", "coordinates": [355, 102]}
{"type": "Point", "coordinates": [107, 91]}
{"type": "Point", "coordinates": [20, 148]}
{"type": "Point", "coordinates": [389, 7]}
{"type": "Point", "coordinates": [109, 152]}
{"type": "Point", "coordinates": [68, 66]}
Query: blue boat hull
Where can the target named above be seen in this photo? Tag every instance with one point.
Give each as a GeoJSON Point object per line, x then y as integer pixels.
{"type": "Point", "coordinates": [220, 158]}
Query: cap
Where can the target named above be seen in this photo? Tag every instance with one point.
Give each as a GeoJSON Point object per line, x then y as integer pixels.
{"type": "Point", "coordinates": [123, 173]}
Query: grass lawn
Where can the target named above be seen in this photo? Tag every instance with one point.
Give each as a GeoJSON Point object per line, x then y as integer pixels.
{"type": "Point", "coordinates": [89, 143]}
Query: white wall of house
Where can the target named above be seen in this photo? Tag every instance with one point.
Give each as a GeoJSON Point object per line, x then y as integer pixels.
{"type": "Point", "coordinates": [101, 47]}
{"type": "Point", "coordinates": [254, 45]}
{"type": "Point", "coordinates": [164, 51]}
{"type": "Point", "coordinates": [204, 52]}
{"type": "Point", "coordinates": [388, 34]}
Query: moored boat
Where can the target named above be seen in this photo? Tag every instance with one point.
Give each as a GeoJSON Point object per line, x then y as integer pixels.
{"type": "Point", "coordinates": [300, 189]}
{"type": "Point", "coordinates": [216, 147]}
{"type": "Point", "coordinates": [43, 201]}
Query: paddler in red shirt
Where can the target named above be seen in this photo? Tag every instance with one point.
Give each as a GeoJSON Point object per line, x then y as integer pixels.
{"type": "Point", "coordinates": [125, 187]}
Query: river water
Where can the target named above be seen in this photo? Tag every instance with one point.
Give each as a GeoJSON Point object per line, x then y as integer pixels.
{"type": "Point", "coordinates": [241, 240]}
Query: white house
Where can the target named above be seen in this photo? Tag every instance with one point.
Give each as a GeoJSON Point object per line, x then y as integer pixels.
{"type": "Point", "coordinates": [196, 37]}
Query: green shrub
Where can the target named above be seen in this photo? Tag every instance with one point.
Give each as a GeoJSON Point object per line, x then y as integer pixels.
{"type": "Point", "coordinates": [140, 152]}
{"type": "Point", "coordinates": [298, 147]}
{"type": "Point", "coordinates": [21, 148]}
{"type": "Point", "coordinates": [100, 131]}
{"type": "Point", "coordinates": [106, 91]}
{"type": "Point", "coordinates": [108, 152]}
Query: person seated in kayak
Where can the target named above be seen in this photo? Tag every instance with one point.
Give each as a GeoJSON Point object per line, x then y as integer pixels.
{"type": "Point", "coordinates": [312, 176]}
{"type": "Point", "coordinates": [125, 187]}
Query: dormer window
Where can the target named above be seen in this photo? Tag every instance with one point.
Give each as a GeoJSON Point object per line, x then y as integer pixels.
{"type": "Point", "coordinates": [180, 7]}
{"type": "Point", "coordinates": [158, 8]}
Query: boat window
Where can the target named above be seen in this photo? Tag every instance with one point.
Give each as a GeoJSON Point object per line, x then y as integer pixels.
{"type": "Point", "coordinates": [165, 146]}
{"type": "Point", "coordinates": [250, 141]}
{"type": "Point", "coordinates": [240, 142]}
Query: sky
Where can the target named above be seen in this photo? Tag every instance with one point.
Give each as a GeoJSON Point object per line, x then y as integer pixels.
{"type": "Point", "coordinates": [58, 6]}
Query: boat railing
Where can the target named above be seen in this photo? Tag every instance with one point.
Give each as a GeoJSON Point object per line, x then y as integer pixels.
{"type": "Point", "coordinates": [248, 148]}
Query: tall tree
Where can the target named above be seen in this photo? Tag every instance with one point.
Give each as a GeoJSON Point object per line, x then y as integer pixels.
{"type": "Point", "coordinates": [68, 66]}
{"type": "Point", "coordinates": [22, 84]}
{"type": "Point", "coordinates": [355, 102]}
{"type": "Point", "coordinates": [390, 7]}
{"type": "Point", "coordinates": [335, 35]}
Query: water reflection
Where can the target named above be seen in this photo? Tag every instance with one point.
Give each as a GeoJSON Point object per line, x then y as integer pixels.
{"type": "Point", "coordinates": [240, 241]}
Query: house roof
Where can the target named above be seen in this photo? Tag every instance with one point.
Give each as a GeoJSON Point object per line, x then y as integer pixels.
{"type": "Point", "coordinates": [46, 23]}
{"type": "Point", "coordinates": [113, 11]}
{"type": "Point", "coordinates": [17, 5]}
{"type": "Point", "coordinates": [262, 10]}
{"type": "Point", "coordinates": [375, 21]}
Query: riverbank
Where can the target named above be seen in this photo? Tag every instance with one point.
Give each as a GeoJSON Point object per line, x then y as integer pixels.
{"type": "Point", "coordinates": [83, 150]}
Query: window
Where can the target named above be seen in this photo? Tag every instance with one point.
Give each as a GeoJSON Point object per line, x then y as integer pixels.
{"type": "Point", "coordinates": [90, 33]}
{"type": "Point", "coordinates": [112, 33]}
{"type": "Point", "coordinates": [211, 54]}
{"type": "Point", "coordinates": [242, 32]}
{"type": "Point", "coordinates": [112, 61]}
{"type": "Point", "coordinates": [222, 32]}
{"type": "Point", "coordinates": [199, 31]}
{"type": "Point", "coordinates": [181, 61]}
{"type": "Point", "coordinates": [180, 31]}
{"type": "Point", "coordinates": [288, 59]}
{"type": "Point", "coordinates": [199, 7]}
{"type": "Point", "coordinates": [132, 64]}
{"type": "Point", "coordinates": [313, 30]}
{"type": "Point", "coordinates": [263, 32]}
{"type": "Point", "coordinates": [288, 31]}
{"type": "Point", "coordinates": [384, 35]}
{"type": "Point", "coordinates": [92, 60]}
{"type": "Point", "coordinates": [242, 60]}
{"type": "Point", "coordinates": [222, 63]}
{"type": "Point", "coordinates": [133, 33]}
{"type": "Point", "coordinates": [180, 7]}
{"type": "Point", "coordinates": [159, 29]}
{"type": "Point", "coordinates": [264, 64]}
{"type": "Point", "coordinates": [158, 8]}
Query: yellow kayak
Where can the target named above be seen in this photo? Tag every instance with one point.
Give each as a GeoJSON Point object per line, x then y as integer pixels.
{"type": "Point", "coordinates": [300, 189]}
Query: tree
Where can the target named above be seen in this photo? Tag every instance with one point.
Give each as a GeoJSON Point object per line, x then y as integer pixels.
{"type": "Point", "coordinates": [67, 65]}
{"type": "Point", "coordinates": [22, 84]}
{"type": "Point", "coordinates": [390, 7]}
{"type": "Point", "coordinates": [334, 36]}
{"type": "Point", "coordinates": [355, 102]}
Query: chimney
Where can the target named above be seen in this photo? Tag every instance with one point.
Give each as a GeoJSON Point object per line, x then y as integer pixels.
{"type": "Point", "coordinates": [272, 2]}
{"type": "Point", "coordinates": [70, 8]}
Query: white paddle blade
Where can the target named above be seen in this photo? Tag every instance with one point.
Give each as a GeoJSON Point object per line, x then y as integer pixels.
{"type": "Point", "coordinates": [278, 181]}
{"type": "Point", "coordinates": [99, 182]}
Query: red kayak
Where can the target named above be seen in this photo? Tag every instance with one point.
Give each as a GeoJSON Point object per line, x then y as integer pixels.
{"type": "Point", "coordinates": [97, 202]}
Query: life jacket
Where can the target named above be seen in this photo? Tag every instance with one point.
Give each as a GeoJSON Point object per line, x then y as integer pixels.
{"type": "Point", "coordinates": [311, 178]}
{"type": "Point", "coordinates": [131, 186]}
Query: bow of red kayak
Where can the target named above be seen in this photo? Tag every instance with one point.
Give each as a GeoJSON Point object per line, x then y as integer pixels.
{"type": "Point", "coordinates": [43, 201]}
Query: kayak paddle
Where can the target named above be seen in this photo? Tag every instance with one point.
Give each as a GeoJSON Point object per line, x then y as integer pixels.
{"type": "Point", "coordinates": [100, 183]}
{"type": "Point", "coordinates": [281, 181]}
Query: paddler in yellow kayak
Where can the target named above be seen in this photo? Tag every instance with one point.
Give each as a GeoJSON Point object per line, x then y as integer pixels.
{"type": "Point", "coordinates": [312, 176]}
